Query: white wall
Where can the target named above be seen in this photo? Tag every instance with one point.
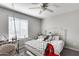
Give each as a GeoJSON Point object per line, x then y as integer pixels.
{"type": "Point", "coordinates": [34, 24]}
{"type": "Point", "coordinates": [69, 21]}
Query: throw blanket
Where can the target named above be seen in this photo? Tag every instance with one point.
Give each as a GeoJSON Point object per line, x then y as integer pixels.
{"type": "Point", "coordinates": [49, 51]}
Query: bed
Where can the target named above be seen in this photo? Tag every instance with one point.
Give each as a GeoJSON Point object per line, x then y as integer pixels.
{"type": "Point", "coordinates": [37, 47]}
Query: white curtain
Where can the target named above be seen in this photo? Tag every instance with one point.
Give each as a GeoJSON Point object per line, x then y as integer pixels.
{"type": "Point", "coordinates": [18, 27]}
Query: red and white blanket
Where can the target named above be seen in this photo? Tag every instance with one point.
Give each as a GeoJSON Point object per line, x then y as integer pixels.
{"type": "Point", "coordinates": [49, 51]}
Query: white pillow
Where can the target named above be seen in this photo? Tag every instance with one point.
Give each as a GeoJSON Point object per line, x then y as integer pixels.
{"type": "Point", "coordinates": [55, 37]}
{"type": "Point", "coordinates": [40, 38]}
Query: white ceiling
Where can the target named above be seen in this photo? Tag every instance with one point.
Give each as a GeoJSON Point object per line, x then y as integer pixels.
{"type": "Point", "coordinates": [24, 7]}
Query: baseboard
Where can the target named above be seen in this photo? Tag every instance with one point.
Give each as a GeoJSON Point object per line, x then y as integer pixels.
{"type": "Point", "coordinates": [72, 48]}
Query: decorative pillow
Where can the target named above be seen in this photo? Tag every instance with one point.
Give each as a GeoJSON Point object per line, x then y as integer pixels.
{"type": "Point", "coordinates": [55, 37]}
{"type": "Point", "coordinates": [48, 38]}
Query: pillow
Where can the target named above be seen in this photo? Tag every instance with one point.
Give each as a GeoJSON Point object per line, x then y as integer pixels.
{"type": "Point", "coordinates": [40, 38]}
{"type": "Point", "coordinates": [48, 38]}
{"type": "Point", "coordinates": [55, 37]}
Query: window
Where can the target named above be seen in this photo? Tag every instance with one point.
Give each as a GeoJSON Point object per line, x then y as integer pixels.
{"type": "Point", "coordinates": [18, 27]}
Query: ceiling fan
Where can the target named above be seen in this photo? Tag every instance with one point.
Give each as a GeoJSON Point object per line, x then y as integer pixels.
{"type": "Point", "coordinates": [43, 7]}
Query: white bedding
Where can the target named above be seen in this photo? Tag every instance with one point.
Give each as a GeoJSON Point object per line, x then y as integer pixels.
{"type": "Point", "coordinates": [41, 45]}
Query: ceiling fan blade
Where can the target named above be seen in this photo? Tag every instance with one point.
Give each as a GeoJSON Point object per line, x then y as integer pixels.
{"type": "Point", "coordinates": [54, 5]}
{"type": "Point", "coordinates": [49, 10]}
{"type": "Point", "coordinates": [35, 8]}
{"type": "Point", "coordinates": [35, 3]}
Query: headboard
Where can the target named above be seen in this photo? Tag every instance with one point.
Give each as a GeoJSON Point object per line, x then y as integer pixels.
{"type": "Point", "coordinates": [59, 31]}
